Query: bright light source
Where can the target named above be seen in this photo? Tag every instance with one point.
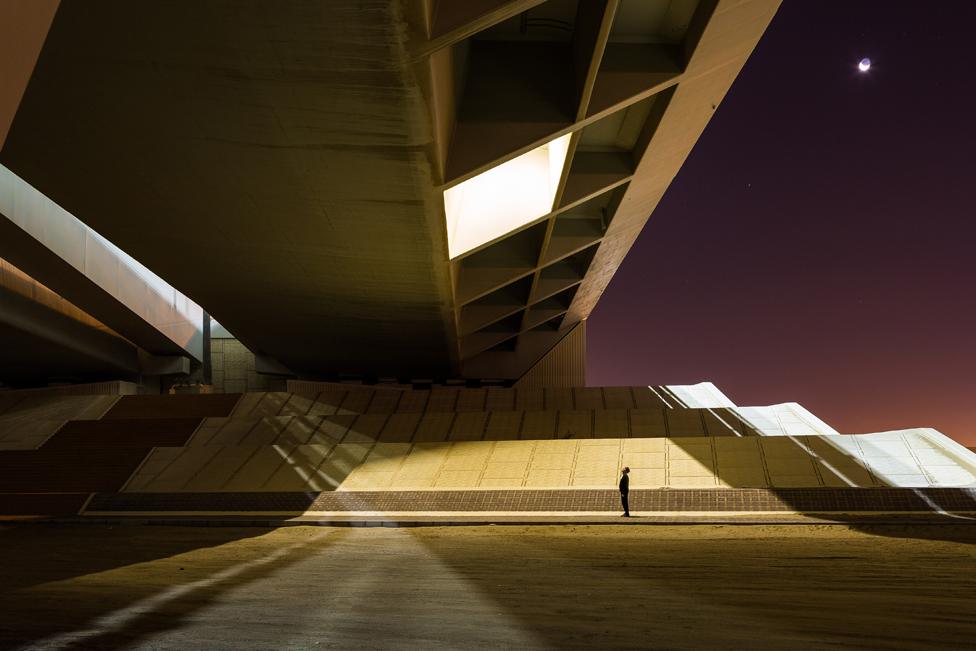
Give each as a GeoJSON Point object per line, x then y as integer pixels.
{"type": "Point", "coordinates": [505, 197]}
{"type": "Point", "coordinates": [864, 64]}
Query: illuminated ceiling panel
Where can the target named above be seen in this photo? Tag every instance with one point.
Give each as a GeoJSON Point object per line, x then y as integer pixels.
{"type": "Point", "coordinates": [508, 196]}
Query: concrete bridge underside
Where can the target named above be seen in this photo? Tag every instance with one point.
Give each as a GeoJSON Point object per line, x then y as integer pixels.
{"type": "Point", "coordinates": [271, 164]}
{"type": "Point", "coordinates": [284, 164]}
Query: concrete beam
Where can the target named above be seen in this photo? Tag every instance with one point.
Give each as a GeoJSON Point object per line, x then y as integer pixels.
{"type": "Point", "coordinates": [51, 245]}
{"type": "Point", "coordinates": [163, 365]}
{"type": "Point", "coordinates": [40, 343]}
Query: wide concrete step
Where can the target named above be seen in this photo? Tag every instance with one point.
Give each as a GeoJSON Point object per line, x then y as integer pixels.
{"type": "Point", "coordinates": [67, 470]}
{"type": "Point", "coordinates": [177, 406]}
{"type": "Point", "coordinates": [308, 398]}
{"type": "Point", "coordinates": [28, 419]}
{"type": "Point", "coordinates": [864, 461]}
{"type": "Point", "coordinates": [41, 504]}
{"type": "Point", "coordinates": [470, 426]}
{"type": "Point", "coordinates": [123, 433]}
{"type": "Point", "coordinates": [22, 405]}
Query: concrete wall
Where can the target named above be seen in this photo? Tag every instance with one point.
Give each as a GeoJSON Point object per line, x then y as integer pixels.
{"type": "Point", "coordinates": [563, 366]}
{"type": "Point", "coordinates": [234, 370]}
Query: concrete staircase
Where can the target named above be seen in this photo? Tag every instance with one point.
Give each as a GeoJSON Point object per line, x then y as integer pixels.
{"type": "Point", "coordinates": [336, 448]}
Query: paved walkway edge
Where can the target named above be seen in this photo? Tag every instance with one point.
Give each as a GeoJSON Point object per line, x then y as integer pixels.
{"type": "Point", "coordinates": [501, 519]}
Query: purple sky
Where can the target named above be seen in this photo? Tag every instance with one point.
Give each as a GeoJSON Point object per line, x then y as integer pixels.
{"type": "Point", "coordinates": [819, 245]}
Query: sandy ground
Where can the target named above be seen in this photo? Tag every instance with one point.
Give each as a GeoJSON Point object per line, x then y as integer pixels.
{"type": "Point", "coordinates": [709, 586]}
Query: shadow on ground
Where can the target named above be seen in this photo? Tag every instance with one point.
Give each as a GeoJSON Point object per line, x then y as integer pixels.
{"type": "Point", "coordinates": [809, 586]}
{"type": "Point", "coordinates": [707, 586]}
{"type": "Point", "coordinates": [104, 587]}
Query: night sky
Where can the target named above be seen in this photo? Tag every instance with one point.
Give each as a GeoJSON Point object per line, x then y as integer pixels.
{"type": "Point", "coordinates": [819, 244]}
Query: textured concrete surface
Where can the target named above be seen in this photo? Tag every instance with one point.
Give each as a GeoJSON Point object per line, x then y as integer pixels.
{"type": "Point", "coordinates": [301, 453]}
{"type": "Point", "coordinates": [833, 503]}
{"type": "Point", "coordinates": [781, 587]}
{"type": "Point", "coordinates": [235, 369]}
{"type": "Point", "coordinates": [408, 520]}
{"type": "Point", "coordinates": [280, 148]}
{"type": "Point", "coordinates": [309, 188]}
{"type": "Point", "coordinates": [27, 421]}
{"type": "Point", "coordinates": [332, 398]}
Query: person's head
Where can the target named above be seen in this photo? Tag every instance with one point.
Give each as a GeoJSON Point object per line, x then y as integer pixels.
{"type": "Point", "coordinates": [626, 470]}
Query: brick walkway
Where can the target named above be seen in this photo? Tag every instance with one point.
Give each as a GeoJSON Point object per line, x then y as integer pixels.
{"type": "Point", "coordinates": [815, 500]}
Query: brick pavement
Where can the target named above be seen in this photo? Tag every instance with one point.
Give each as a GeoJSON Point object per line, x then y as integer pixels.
{"type": "Point", "coordinates": [813, 500]}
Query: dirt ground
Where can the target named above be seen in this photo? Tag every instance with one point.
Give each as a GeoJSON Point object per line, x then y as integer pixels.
{"type": "Point", "coordinates": [673, 587]}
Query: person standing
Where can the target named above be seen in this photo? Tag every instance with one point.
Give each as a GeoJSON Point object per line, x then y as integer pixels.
{"type": "Point", "coordinates": [625, 491]}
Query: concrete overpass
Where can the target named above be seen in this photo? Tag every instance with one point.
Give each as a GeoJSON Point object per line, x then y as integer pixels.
{"type": "Point", "coordinates": [286, 166]}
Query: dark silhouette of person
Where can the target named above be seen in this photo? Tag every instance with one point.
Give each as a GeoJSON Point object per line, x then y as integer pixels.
{"type": "Point", "coordinates": [625, 491]}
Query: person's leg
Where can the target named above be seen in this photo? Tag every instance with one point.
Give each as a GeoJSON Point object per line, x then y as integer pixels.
{"type": "Point", "coordinates": [625, 503]}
